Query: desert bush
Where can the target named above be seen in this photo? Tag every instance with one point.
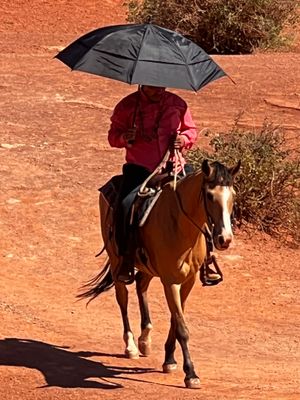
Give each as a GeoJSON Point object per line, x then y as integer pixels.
{"type": "Point", "coordinates": [220, 26]}
{"type": "Point", "coordinates": [268, 184]}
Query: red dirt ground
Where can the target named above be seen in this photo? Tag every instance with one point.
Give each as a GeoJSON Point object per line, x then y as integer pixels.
{"type": "Point", "coordinates": [244, 333]}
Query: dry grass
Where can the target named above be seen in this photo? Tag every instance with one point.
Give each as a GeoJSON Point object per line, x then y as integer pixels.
{"type": "Point", "coordinates": [269, 182]}
{"type": "Point", "coordinates": [222, 26]}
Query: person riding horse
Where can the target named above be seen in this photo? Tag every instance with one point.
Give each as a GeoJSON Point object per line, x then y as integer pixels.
{"type": "Point", "coordinates": [146, 123]}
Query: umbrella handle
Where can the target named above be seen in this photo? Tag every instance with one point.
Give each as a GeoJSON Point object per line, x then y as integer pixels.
{"type": "Point", "coordinates": [135, 108]}
{"type": "Point", "coordinates": [134, 117]}
{"type": "Point", "coordinates": [131, 142]}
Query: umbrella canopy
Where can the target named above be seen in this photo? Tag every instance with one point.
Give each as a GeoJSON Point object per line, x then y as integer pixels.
{"type": "Point", "coordinates": [144, 54]}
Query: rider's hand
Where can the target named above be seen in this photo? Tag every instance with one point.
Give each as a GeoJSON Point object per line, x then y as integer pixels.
{"type": "Point", "coordinates": [179, 142]}
{"type": "Point", "coordinates": [129, 136]}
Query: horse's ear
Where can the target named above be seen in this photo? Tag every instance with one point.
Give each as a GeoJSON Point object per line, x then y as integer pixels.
{"type": "Point", "coordinates": [234, 170]}
{"type": "Point", "coordinates": [206, 168]}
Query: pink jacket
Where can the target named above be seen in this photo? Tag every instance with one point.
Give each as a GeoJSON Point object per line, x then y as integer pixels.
{"type": "Point", "coordinates": [156, 124]}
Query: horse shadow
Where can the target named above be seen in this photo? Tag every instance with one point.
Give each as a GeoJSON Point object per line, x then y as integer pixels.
{"type": "Point", "coordinates": [62, 367]}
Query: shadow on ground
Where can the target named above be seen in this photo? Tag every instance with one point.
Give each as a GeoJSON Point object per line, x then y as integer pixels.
{"type": "Point", "coordinates": [61, 367]}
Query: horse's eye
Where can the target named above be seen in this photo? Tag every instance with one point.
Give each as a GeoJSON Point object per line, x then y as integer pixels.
{"type": "Point", "coordinates": [210, 196]}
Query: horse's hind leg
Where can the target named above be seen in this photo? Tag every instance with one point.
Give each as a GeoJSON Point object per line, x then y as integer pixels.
{"type": "Point", "coordinates": [142, 284]}
{"type": "Point", "coordinates": [131, 351]}
{"type": "Point", "coordinates": [174, 300]}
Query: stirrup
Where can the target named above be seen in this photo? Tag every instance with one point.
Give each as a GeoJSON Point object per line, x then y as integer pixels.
{"type": "Point", "coordinates": [208, 276]}
{"type": "Point", "coordinates": [127, 280]}
{"type": "Point", "coordinates": [126, 273]}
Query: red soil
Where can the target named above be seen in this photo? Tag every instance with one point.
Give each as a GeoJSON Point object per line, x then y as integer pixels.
{"type": "Point", "coordinates": [244, 333]}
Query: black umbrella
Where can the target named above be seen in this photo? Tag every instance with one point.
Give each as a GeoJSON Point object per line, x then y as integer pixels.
{"type": "Point", "coordinates": [143, 54]}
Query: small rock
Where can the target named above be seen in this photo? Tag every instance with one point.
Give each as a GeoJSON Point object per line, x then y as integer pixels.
{"type": "Point", "coordinates": [13, 201]}
{"type": "Point", "coordinates": [9, 255]}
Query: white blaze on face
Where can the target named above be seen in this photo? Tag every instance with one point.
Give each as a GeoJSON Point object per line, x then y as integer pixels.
{"type": "Point", "coordinates": [226, 195]}
{"type": "Point", "coordinates": [222, 195]}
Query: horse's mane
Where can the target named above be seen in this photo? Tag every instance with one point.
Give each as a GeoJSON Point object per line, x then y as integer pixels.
{"type": "Point", "coordinates": [219, 176]}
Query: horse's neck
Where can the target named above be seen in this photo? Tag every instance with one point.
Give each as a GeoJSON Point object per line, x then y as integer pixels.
{"type": "Point", "coordinates": [190, 198]}
{"type": "Point", "coordinates": [178, 216]}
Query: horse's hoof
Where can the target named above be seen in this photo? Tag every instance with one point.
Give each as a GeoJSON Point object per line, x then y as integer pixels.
{"type": "Point", "coordinates": [132, 354]}
{"type": "Point", "coordinates": [192, 383]}
{"type": "Point", "coordinates": [144, 348]}
{"type": "Point", "coordinates": [169, 368]}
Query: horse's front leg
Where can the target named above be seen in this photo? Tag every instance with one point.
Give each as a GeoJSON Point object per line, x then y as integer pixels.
{"type": "Point", "coordinates": [170, 364]}
{"type": "Point", "coordinates": [142, 284]}
{"type": "Point", "coordinates": [173, 297]}
{"type": "Point", "coordinates": [131, 350]}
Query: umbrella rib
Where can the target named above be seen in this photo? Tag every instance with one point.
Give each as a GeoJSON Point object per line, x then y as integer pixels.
{"type": "Point", "coordinates": [161, 62]}
{"type": "Point", "coordinates": [137, 58]}
{"type": "Point", "coordinates": [112, 54]}
{"type": "Point", "coordinates": [186, 65]}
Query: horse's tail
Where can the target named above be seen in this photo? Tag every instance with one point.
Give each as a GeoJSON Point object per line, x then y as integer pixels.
{"type": "Point", "coordinates": [97, 285]}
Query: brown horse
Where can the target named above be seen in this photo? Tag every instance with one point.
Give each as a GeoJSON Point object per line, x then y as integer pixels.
{"type": "Point", "coordinates": [173, 248]}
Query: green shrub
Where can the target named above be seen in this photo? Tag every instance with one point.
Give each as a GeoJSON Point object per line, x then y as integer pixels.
{"type": "Point", "coordinates": [269, 181]}
{"type": "Point", "coordinates": [220, 26]}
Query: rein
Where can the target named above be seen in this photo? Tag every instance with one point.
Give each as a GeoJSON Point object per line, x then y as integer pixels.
{"type": "Point", "coordinates": [144, 190]}
{"type": "Point", "coordinates": [207, 232]}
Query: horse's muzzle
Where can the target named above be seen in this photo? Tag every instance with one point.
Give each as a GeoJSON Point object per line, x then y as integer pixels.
{"type": "Point", "coordinates": [222, 242]}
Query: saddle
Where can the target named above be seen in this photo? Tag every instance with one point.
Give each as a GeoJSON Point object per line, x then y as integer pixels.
{"type": "Point", "coordinates": [137, 204]}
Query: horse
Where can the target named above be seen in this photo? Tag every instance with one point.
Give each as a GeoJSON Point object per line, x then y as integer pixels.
{"type": "Point", "coordinates": [173, 248]}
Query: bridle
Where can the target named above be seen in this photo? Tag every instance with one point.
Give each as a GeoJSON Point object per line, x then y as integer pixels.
{"type": "Point", "coordinates": [208, 228]}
